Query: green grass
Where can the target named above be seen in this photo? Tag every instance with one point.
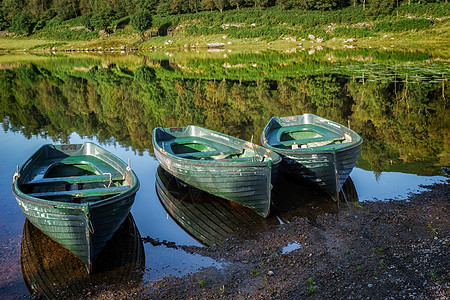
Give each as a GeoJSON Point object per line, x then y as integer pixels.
{"type": "Point", "coordinates": [21, 43]}
{"type": "Point", "coordinates": [434, 38]}
{"type": "Point", "coordinates": [34, 44]}
{"type": "Point", "coordinates": [312, 286]}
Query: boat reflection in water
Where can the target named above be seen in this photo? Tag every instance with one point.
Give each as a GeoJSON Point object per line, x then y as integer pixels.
{"type": "Point", "coordinates": [51, 271]}
{"type": "Point", "coordinates": [294, 199]}
{"type": "Point", "coordinates": [207, 218]}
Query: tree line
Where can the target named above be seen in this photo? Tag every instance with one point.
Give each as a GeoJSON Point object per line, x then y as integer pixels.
{"type": "Point", "coordinates": [22, 16]}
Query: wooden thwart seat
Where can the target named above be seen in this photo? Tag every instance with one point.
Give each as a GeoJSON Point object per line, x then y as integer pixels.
{"type": "Point", "coordinates": [84, 193]}
{"type": "Point", "coordinates": [78, 179]}
{"type": "Point", "coordinates": [312, 140]}
{"type": "Point", "coordinates": [242, 159]}
{"type": "Point", "coordinates": [208, 154]}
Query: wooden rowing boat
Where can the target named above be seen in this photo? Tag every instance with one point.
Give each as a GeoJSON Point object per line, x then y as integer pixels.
{"type": "Point", "coordinates": [318, 150]}
{"type": "Point", "coordinates": [76, 194]}
{"type": "Point", "coordinates": [218, 164]}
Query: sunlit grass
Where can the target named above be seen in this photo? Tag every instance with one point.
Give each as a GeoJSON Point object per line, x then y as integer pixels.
{"type": "Point", "coordinates": [19, 43]}
{"type": "Point", "coordinates": [27, 44]}
{"type": "Point", "coordinates": [434, 40]}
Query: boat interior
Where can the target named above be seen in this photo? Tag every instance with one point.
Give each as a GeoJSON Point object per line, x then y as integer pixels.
{"type": "Point", "coordinates": [75, 179]}
{"type": "Point", "coordinates": [198, 148]}
{"type": "Point", "coordinates": [305, 136]}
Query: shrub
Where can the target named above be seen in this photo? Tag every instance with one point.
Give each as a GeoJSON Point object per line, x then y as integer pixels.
{"type": "Point", "coordinates": [86, 21]}
{"type": "Point", "coordinates": [425, 9]}
{"type": "Point", "coordinates": [382, 26]}
{"type": "Point", "coordinates": [322, 4]}
{"type": "Point", "coordinates": [22, 24]}
{"type": "Point", "coordinates": [104, 19]}
{"type": "Point", "coordinates": [54, 22]}
{"type": "Point", "coordinates": [64, 9]}
{"type": "Point", "coordinates": [121, 23]}
{"type": "Point", "coordinates": [410, 24]}
{"type": "Point", "coordinates": [351, 32]}
{"type": "Point", "coordinates": [141, 21]}
{"type": "Point", "coordinates": [402, 25]}
{"type": "Point", "coordinates": [380, 7]}
{"type": "Point", "coordinates": [39, 25]}
{"type": "Point", "coordinates": [163, 8]}
{"type": "Point", "coordinates": [3, 22]}
{"type": "Point", "coordinates": [48, 15]}
{"type": "Point", "coordinates": [148, 5]}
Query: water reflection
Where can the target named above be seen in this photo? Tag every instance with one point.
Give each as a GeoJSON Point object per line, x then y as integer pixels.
{"type": "Point", "coordinates": [51, 271]}
{"type": "Point", "coordinates": [294, 199]}
{"type": "Point", "coordinates": [209, 219]}
{"type": "Point", "coordinates": [403, 122]}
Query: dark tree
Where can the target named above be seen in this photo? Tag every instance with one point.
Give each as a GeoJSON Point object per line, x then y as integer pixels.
{"type": "Point", "coordinates": [141, 21]}
{"type": "Point", "coordinates": [380, 7]}
{"type": "Point", "coordinates": [66, 9]}
{"type": "Point", "coordinates": [103, 20]}
{"type": "Point", "coordinates": [22, 24]}
{"type": "Point", "coordinates": [163, 8]}
{"type": "Point", "coordinates": [86, 21]}
{"type": "Point", "coordinates": [3, 22]}
{"type": "Point", "coordinates": [147, 5]}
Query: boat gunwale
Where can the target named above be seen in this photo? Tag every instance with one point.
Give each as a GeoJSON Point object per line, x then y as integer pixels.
{"type": "Point", "coordinates": [216, 163]}
{"type": "Point", "coordinates": [19, 194]}
{"type": "Point", "coordinates": [312, 150]}
{"type": "Point", "coordinates": [305, 151]}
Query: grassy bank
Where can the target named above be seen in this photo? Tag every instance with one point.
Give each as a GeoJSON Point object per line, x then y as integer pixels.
{"type": "Point", "coordinates": [415, 26]}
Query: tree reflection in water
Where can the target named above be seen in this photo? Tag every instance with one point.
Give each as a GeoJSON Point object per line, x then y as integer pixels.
{"type": "Point", "coordinates": [404, 121]}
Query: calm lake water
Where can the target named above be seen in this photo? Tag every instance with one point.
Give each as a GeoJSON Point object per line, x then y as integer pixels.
{"type": "Point", "coordinates": [397, 101]}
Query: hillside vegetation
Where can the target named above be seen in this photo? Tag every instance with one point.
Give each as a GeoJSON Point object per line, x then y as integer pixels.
{"type": "Point", "coordinates": [63, 22]}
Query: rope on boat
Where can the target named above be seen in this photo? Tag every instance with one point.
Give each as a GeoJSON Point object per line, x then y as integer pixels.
{"type": "Point", "coordinates": [129, 165]}
{"type": "Point", "coordinates": [87, 216]}
{"type": "Point", "coordinates": [254, 150]}
{"type": "Point", "coordinates": [16, 175]}
{"type": "Point", "coordinates": [90, 227]}
{"type": "Point", "coordinates": [110, 180]}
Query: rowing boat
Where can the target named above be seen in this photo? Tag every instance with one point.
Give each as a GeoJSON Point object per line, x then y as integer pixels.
{"type": "Point", "coordinates": [77, 194]}
{"type": "Point", "coordinates": [218, 164]}
{"type": "Point", "coordinates": [318, 150]}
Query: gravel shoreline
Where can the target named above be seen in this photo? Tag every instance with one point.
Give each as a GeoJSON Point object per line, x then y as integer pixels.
{"type": "Point", "coordinates": [370, 250]}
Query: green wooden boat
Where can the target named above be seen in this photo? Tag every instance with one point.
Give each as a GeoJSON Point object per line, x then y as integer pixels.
{"type": "Point", "coordinates": [218, 164]}
{"type": "Point", "coordinates": [207, 218]}
{"type": "Point", "coordinates": [76, 194]}
{"type": "Point", "coordinates": [52, 272]}
{"type": "Point", "coordinates": [318, 150]}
